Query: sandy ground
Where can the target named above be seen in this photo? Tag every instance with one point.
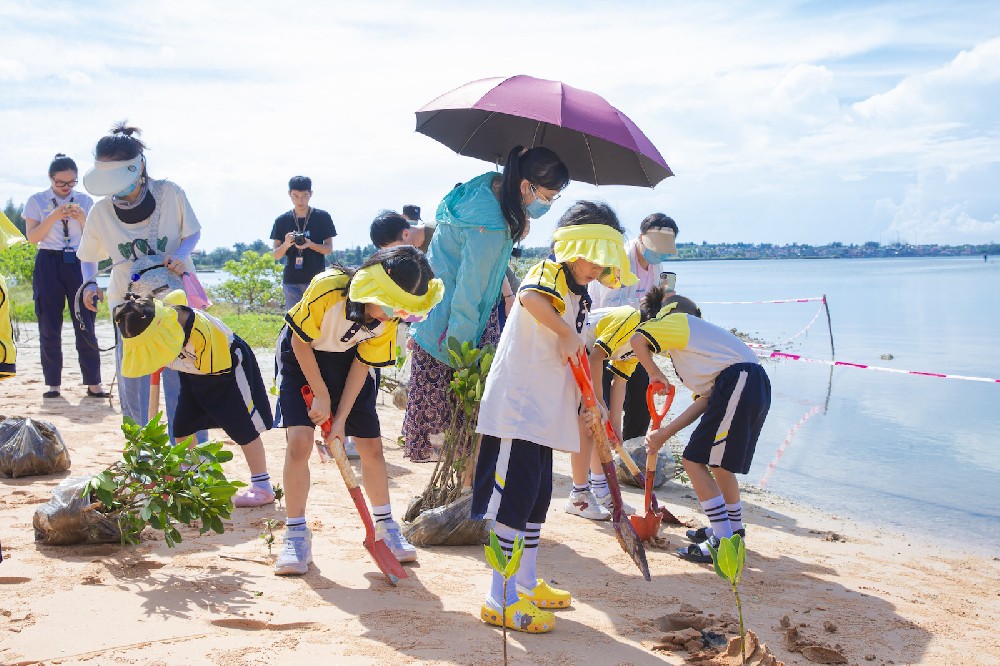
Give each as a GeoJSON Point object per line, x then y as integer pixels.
{"type": "Point", "coordinates": [882, 598]}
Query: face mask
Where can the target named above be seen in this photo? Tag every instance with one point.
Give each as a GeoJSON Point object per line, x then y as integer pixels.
{"type": "Point", "coordinates": [653, 257]}
{"type": "Point", "coordinates": [537, 208]}
{"type": "Point", "coordinates": [128, 190]}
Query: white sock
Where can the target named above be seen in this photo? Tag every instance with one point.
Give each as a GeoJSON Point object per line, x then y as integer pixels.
{"type": "Point", "coordinates": [297, 523]}
{"type": "Point", "coordinates": [735, 512]}
{"type": "Point", "coordinates": [527, 574]}
{"type": "Point", "coordinates": [715, 509]}
{"type": "Point", "coordinates": [599, 484]}
{"type": "Point", "coordinates": [382, 513]}
{"type": "Point", "coordinates": [262, 481]}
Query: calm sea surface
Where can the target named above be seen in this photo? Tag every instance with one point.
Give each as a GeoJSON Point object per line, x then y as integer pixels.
{"type": "Point", "coordinates": [919, 454]}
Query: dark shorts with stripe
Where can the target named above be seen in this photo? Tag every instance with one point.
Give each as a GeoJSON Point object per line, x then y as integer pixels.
{"type": "Point", "coordinates": [727, 434]}
{"type": "Point", "coordinates": [235, 401]}
{"type": "Point", "coordinates": [333, 366]}
{"type": "Point", "coordinates": [513, 482]}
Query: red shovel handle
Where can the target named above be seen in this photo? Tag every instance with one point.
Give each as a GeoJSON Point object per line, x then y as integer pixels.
{"type": "Point", "coordinates": [308, 396]}
{"type": "Point", "coordinates": [651, 391]}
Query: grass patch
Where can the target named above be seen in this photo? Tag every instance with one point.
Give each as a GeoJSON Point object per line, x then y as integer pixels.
{"type": "Point", "coordinates": [22, 301]}
{"type": "Point", "coordinates": [259, 330]}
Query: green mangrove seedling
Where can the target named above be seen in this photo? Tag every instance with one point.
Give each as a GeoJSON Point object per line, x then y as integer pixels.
{"type": "Point", "coordinates": [506, 568]}
{"type": "Point", "coordinates": [729, 559]}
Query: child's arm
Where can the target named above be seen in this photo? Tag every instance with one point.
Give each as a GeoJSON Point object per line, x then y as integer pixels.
{"type": "Point", "coordinates": [540, 307]}
{"type": "Point", "coordinates": [356, 377]}
{"type": "Point", "coordinates": [640, 345]}
{"type": "Point", "coordinates": [617, 405]}
{"type": "Point", "coordinates": [657, 438]}
{"type": "Point", "coordinates": [303, 351]}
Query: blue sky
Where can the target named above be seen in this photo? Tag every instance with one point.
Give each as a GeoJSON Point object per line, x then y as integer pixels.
{"type": "Point", "coordinates": [785, 122]}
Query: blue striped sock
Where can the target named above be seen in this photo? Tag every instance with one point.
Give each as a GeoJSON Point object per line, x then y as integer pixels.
{"type": "Point", "coordinates": [262, 481]}
{"type": "Point", "coordinates": [715, 509]}
{"type": "Point", "coordinates": [299, 522]}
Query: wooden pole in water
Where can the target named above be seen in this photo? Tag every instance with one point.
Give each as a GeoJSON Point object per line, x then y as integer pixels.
{"type": "Point", "coordinates": [829, 326]}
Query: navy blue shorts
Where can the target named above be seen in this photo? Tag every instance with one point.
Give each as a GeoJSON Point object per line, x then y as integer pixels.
{"type": "Point", "coordinates": [728, 431]}
{"type": "Point", "coordinates": [513, 482]}
{"type": "Point", "coordinates": [235, 401]}
{"type": "Point", "coordinates": [333, 366]}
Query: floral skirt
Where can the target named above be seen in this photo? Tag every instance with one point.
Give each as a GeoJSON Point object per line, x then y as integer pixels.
{"type": "Point", "coordinates": [428, 397]}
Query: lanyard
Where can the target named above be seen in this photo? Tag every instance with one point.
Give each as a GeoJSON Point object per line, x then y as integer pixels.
{"type": "Point", "coordinates": [65, 222]}
{"type": "Point", "coordinates": [305, 224]}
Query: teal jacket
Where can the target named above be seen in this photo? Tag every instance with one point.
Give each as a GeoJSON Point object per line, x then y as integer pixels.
{"type": "Point", "coordinates": [470, 251]}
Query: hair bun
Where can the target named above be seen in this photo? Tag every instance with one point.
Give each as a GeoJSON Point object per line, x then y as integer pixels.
{"type": "Point", "coordinates": [58, 155]}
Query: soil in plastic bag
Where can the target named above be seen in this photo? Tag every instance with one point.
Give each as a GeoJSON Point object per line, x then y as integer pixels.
{"type": "Point", "coordinates": [636, 447]}
{"type": "Point", "coordinates": [31, 448]}
{"type": "Point", "coordinates": [448, 525]}
{"type": "Point", "coordinates": [67, 518]}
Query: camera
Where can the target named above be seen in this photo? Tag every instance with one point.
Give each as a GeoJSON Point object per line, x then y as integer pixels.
{"type": "Point", "coordinates": [299, 238]}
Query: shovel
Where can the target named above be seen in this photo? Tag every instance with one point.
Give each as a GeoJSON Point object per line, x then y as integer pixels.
{"type": "Point", "coordinates": [648, 525]}
{"type": "Point", "coordinates": [378, 549]}
{"type": "Point", "coordinates": [627, 538]}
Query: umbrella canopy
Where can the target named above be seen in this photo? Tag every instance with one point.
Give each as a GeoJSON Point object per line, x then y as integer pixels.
{"type": "Point", "coordinates": [597, 142]}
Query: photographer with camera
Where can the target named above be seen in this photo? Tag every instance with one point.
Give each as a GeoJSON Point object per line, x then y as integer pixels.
{"type": "Point", "coordinates": [303, 237]}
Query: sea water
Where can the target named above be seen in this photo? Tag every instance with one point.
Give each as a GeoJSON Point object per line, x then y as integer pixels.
{"type": "Point", "coordinates": [920, 455]}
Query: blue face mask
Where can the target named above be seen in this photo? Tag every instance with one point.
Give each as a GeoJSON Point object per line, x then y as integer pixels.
{"type": "Point", "coordinates": [129, 190]}
{"type": "Point", "coordinates": [537, 208]}
{"type": "Point", "coordinates": [653, 257]}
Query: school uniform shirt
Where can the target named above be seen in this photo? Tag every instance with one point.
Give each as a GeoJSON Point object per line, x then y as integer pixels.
{"type": "Point", "coordinates": [40, 205]}
{"type": "Point", "coordinates": [8, 352]}
{"type": "Point", "coordinates": [610, 329]}
{"type": "Point", "coordinates": [649, 277]}
{"type": "Point", "coordinates": [698, 350]}
{"type": "Point", "coordinates": [207, 346]}
{"type": "Point", "coordinates": [319, 319]}
{"type": "Point", "coordinates": [530, 392]}
{"type": "Point", "coordinates": [106, 236]}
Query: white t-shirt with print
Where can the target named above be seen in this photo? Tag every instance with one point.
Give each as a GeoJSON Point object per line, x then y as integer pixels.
{"type": "Point", "coordinates": [106, 236]}
{"type": "Point", "coordinates": [40, 205]}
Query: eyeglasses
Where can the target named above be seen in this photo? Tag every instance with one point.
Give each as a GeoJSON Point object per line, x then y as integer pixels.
{"type": "Point", "coordinates": [64, 183]}
{"type": "Point", "coordinates": [538, 194]}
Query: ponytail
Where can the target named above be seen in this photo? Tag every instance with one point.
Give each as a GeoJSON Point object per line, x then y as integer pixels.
{"type": "Point", "coordinates": [134, 315]}
{"type": "Point", "coordinates": [540, 167]}
{"type": "Point", "coordinates": [121, 143]}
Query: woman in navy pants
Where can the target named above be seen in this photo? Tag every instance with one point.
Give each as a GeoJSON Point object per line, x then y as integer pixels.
{"type": "Point", "coordinates": [54, 221]}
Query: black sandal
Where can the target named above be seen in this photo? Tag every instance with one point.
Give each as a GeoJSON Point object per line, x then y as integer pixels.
{"type": "Point", "coordinates": [693, 554]}
{"type": "Point", "coordinates": [701, 534]}
{"type": "Point", "coordinates": [51, 394]}
{"type": "Point", "coordinates": [97, 394]}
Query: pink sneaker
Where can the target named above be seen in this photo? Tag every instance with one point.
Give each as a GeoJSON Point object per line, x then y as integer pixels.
{"type": "Point", "coordinates": [253, 497]}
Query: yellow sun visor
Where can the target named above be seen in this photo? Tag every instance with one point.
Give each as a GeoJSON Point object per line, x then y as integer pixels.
{"type": "Point", "coordinates": [373, 285]}
{"type": "Point", "coordinates": [156, 347]}
{"type": "Point", "coordinates": [9, 234]}
{"type": "Point", "coordinates": [598, 244]}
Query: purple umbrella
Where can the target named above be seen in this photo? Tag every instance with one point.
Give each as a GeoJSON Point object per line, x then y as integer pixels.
{"type": "Point", "coordinates": [596, 141]}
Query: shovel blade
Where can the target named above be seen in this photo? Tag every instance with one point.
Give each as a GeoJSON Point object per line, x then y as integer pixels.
{"type": "Point", "coordinates": [627, 537]}
{"type": "Point", "coordinates": [385, 560]}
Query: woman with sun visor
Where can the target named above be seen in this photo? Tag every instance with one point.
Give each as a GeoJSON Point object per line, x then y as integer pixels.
{"type": "Point", "coordinates": [139, 221]}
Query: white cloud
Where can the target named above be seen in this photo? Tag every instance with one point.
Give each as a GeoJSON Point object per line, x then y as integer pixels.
{"type": "Point", "coordinates": [758, 121]}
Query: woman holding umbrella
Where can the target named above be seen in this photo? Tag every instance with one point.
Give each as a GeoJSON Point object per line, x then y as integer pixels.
{"type": "Point", "coordinates": [478, 224]}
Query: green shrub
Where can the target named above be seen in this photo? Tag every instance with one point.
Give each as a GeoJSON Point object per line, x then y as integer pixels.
{"type": "Point", "coordinates": [255, 281]}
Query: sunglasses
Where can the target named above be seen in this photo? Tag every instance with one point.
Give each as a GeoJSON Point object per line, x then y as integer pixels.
{"type": "Point", "coordinates": [64, 183]}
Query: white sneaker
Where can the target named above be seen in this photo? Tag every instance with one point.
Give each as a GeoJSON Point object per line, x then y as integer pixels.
{"type": "Point", "coordinates": [296, 552]}
{"type": "Point", "coordinates": [389, 531]}
{"type": "Point", "coordinates": [351, 449]}
{"type": "Point", "coordinates": [586, 505]}
{"type": "Point", "coordinates": [605, 501]}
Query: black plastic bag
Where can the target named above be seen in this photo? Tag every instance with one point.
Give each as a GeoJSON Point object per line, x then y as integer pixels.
{"type": "Point", "coordinates": [31, 448]}
{"type": "Point", "coordinates": [68, 518]}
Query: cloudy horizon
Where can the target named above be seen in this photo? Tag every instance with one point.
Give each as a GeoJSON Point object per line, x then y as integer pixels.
{"type": "Point", "coordinates": [804, 122]}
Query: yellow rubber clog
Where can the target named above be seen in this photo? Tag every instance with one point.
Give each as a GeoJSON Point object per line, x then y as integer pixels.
{"type": "Point", "coordinates": [545, 596]}
{"type": "Point", "coordinates": [521, 616]}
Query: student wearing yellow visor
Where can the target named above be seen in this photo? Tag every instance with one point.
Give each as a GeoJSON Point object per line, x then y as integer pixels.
{"type": "Point", "coordinates": [220, 382]}
{"type": "Point", "coordinates": [529, 406]}
{"type": "Point", "coordinates": [337, 337]}
{"type": "Point", "coordinates": [9, 235]}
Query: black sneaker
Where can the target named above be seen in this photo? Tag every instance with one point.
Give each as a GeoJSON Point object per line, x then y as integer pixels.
{"type": "Point", "coordinates": [703, 533]}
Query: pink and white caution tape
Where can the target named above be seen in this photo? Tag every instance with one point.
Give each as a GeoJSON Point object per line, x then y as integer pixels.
{"type": "Point", "coordinates": [784, 300]}
{"type": "Point", "coordinates": [784, 445]}
{"type": "Point", "coordinates": [763, 353]}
